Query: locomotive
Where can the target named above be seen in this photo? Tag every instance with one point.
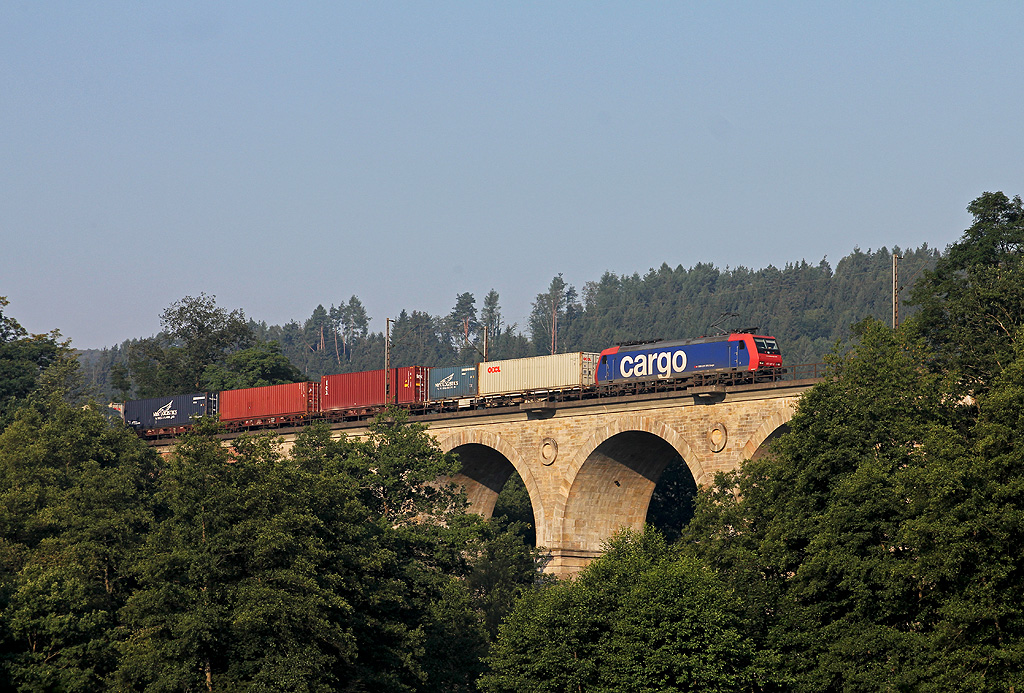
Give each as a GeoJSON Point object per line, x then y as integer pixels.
{"type": "Point", "coordinates": [737, 352]}
{"type": "Point", "coordinates": [624, 369]}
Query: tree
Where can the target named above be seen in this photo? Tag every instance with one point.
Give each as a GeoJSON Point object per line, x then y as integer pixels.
{"type": "Point", "coordinates": [418, 339]}
{"type": "Point", "coordinates": [514, 508]}
{"type": "Point", "coordinates": [402, 558]}
{"type": "Point", "coordinates": [351, 320]}
{"type": "Point", "coordinates": [236, 588]}
{"type": "Point", "coordinates": [462, 325]}
{"type": "Point", "coordinates": [504, 561]}
{"type": "Point", "coordinates": [23, 357]}
{"type": "Point", "coordinates": [643, 617]}
{"type": "Point", "coordinates": [342, 566]}
{"type": "Point", "coordinates": [490, 315]}
{"type": "Point", "coordinates": [969, 526]}
{"type": "Point", "coordinates": [196, 334]}
{"type": "Point", "coordinates": [671, 505]}
{"type": "Point", "coordinates": [972, 303]}
{"type": "Point", "coordinates": [879, 541]}
{"type": "Point", "coordinates": [74, 505]}
{"type": "Point", "coordinates": [204, 333]}
{"type": "Point", "coordinates": [553, 314]}
{"type": "Point", "coordinates": [258, 366]}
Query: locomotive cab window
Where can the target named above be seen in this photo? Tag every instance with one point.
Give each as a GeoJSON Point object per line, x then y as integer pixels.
{"type": "Point", "coordinates": [743, 345]}
{"type": "Point", "coordinates": [766, 346]}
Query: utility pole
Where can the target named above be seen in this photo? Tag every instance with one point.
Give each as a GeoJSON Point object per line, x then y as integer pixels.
{"type": "Point", "coordinates": [895, 291]}
{"type": "Point", "coordinates": [387, 360]}
{"type": "Point", "coordinates": [470, 344]}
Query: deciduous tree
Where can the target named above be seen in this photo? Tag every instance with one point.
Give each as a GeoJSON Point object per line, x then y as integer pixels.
{"type": "Point", "coordinates": [236, 585]}
{"type": "Point", "coordinates": [643, 617]}
{"type": "Point", "coordinates": [22, 358]}
{"type": "Point", "coordinates": [972, 303]}
{"type": "Point", "coordinates": [257, 366]}
{"type": "Point", "coordinates": [74, 505]}
{"type": "Point", "coordinates": [878, 543]}
{"type": "Point", "coordinates": [196, 334]}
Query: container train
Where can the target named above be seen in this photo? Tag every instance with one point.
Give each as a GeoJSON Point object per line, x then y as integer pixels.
{"type": "Point", "coordinates": [620, 370]}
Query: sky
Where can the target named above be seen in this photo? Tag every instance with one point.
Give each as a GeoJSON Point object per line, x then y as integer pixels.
{"type": "Point", "coordinates": [284, 155]}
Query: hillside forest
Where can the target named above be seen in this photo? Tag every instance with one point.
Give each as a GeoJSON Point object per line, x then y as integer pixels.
{"type": "Point", "coordinates": [877, 545]}
{"type": "Point", "coordinates": [807, 307]}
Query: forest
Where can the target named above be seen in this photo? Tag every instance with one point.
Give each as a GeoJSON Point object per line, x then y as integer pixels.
{"type": "Point", "coordinates": [807, 307]}
{"type": "Point", "coordinates": [877, 545]}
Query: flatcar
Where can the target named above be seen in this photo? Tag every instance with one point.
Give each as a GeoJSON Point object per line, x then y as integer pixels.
{"type": "Point", "coordinates": [270, 405]}
{"type": "Point", "coordinates": [353, 395]}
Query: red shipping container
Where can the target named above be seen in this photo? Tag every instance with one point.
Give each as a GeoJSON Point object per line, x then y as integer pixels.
{"type": "Point", "coordinates": [366, 389]}
{"type": "Point", "coordinates": [270, 402]}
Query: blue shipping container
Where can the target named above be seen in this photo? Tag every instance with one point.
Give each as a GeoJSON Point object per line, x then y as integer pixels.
{"type": "Point", "coordinates": [452, 382]}
{"type": "Point", "coordinates": [162, 412]}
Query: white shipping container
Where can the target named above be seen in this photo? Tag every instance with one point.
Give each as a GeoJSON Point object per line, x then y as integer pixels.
{"type": "Point", "coordinates": [537, 374]}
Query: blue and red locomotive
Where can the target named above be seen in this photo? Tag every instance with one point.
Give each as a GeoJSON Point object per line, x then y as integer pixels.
{"type": "Point", "coordinates": [678, 359]}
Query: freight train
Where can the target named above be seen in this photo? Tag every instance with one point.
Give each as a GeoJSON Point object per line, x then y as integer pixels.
{"type": "Point", "coordinates": [621, 370]}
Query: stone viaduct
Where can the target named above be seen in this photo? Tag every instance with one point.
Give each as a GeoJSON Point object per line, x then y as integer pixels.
{"type": "Point", "coordinates": [590, 466]}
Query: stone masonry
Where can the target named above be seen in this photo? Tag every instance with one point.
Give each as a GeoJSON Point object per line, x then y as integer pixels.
{"type": "Point", "coordinates": [591, 466]}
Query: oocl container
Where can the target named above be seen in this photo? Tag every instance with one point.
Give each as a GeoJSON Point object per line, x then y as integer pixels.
{"type": "Point", "coordinates": [537, 374]}
{"type": "Point", "coordinates": [366, 389]}
{"type": "Point", "coordinates": [269, 402]}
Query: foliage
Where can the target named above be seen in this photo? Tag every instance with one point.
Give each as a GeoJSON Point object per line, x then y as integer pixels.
{"type": "Point", "coordinates": [672, 503]}
{"type": "Point", "coordinates": [73, 507]}
{"type": "Point", "coordinates": [504, 566]}
{"type": "Point", "coordinates": [877, 546]}
{"type": "Point", "coordinates": [881, 534]}
{"type": "Point", "coordinates": [807, 307]}
{"type": "Point", "coordinates": [257, 366]}
{"type": "Point", "coordinates": [972, 303]}
{"type": "Point", "coordinates": [196, 334]}
{"type": "Point", "coordinates": [553, 316]}
{"type": "Point", "coordinates": [235, 584]}
{"type": "Point", "coordinates": [23, 357]}
{"type": "Point", "coordinates": [643, 617]}
{"type": "Point", "coordinates": [514, 509]}
{"type": "Point", "coordinates": [342, 566]}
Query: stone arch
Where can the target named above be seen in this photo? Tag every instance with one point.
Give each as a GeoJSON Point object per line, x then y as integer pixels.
{"type": "Point", "coordinates": [621, 424]}
{"type": "Point", "coordinates": [486, 458]}
{"type": "Point", "coordinates": [609, 482]}
{"type": "Point", "coordinates": [774, 425]}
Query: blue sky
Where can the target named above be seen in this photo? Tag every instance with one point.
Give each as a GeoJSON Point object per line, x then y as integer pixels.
{"type": "Point", "coordinates": [285, 155]}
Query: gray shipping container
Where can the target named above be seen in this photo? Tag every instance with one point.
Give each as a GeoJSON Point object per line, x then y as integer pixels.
{"type": "Point", "coordinates": [451, 382]}
{"type": "Point", "coordinates": [538, 374]}
{"type": "Point", "coordinates": [162, 412]}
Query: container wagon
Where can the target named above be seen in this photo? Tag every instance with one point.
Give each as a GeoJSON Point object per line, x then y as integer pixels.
{"type": "Point", "coordinates": [269, 406]}
{"type": "Point", "coordinates": [452, 387]}
{"type": "Point", "coordinates": [357, 394]}
{"type": "Point", "coordinates": [539, 375]}
{"type": "Point", "coordinates": [161, 417]}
